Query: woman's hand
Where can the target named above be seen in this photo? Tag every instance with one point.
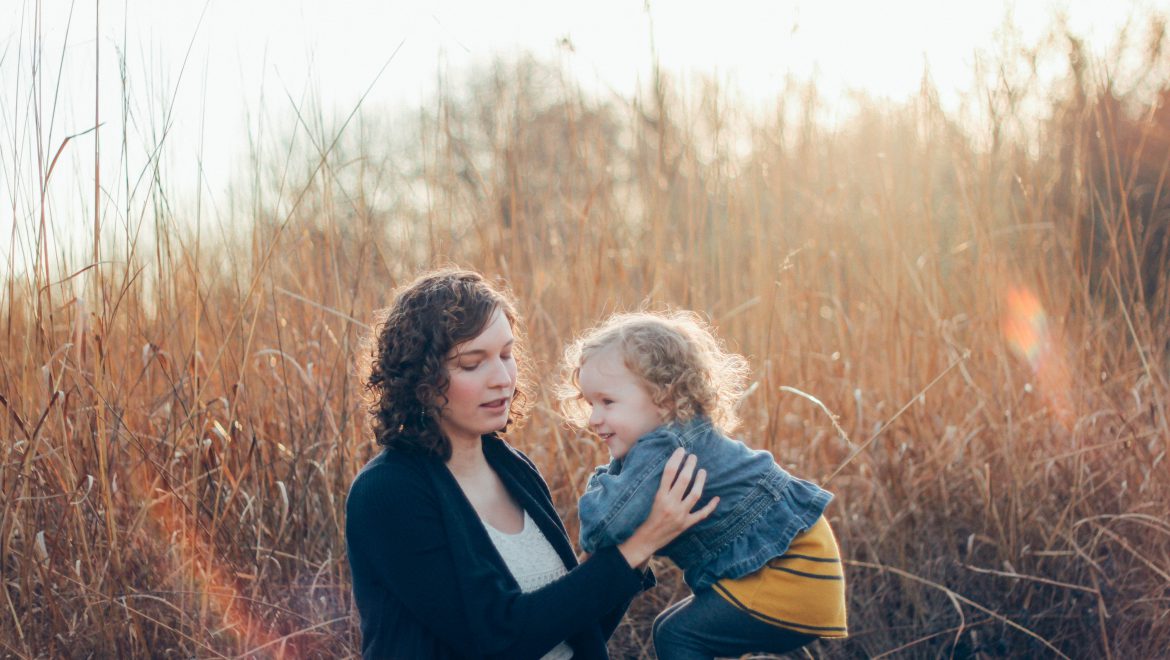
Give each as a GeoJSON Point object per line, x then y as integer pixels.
{"type": "Point", "coordinates": [671, 513]}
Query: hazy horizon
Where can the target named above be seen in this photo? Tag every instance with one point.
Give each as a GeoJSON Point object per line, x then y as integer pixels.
{"type": "Point", "coordinates": [206, 79]}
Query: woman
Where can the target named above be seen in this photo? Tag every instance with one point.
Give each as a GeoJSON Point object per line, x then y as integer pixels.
{"type": "Point", "coordinates": [454, 545]}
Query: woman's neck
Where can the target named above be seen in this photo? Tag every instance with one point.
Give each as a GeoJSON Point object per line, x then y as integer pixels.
{"type": "Point", "coordinates": [466, 456]}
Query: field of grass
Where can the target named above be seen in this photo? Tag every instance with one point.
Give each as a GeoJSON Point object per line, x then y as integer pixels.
{"type": "Point", "coordinates": [960, 329]}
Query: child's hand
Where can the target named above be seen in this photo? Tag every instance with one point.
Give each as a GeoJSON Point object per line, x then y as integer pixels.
{"type": "Point", "coordinates": [678, 492]}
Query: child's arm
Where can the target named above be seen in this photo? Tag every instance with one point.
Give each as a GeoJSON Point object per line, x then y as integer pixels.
{"type": "Point", "coordinates": [616, 502]}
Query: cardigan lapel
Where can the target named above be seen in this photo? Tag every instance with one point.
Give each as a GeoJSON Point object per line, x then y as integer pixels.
{"type": "Point", "coordinates": [525, 484]}
{"type": "Point", "coordinates": [480, 567]}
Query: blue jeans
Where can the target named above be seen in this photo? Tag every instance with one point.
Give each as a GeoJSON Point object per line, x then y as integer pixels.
{"type": "Point", "coordinates": [704, 625]}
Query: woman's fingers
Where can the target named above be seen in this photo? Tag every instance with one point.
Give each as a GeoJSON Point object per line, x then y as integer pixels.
{"type": "Point", "coordinates": [696, 490]}
{"type": "Point", "coordinates": [670, 472]}
{"type": "Point", "coordinates": [705, 511]}
{"type": "Point", "coordinates": [685, 475]}
{"type": "Point", "coordinates": [681, 487]}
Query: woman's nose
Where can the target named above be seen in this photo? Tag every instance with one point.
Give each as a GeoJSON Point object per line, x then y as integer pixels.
{"type": "Point", "coordinates": [501, 375]}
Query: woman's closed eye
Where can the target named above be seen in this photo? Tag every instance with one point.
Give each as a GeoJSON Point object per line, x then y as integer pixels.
{"type": "Point", "coordinates": [472, 366]}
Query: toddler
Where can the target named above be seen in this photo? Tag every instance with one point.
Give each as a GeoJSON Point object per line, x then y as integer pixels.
{"type": "Point", "coordinates": [764, 568]}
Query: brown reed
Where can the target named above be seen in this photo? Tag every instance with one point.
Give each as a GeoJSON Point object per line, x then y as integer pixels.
{"type": "Point", "coordinates": [981, 318]}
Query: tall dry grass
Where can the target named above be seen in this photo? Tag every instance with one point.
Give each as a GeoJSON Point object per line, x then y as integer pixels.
{"type": "Point", "coordinates": [984, 311]}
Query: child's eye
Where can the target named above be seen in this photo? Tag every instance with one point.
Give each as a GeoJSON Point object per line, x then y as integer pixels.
{"type": "Point", "coordinates": [607, 401]}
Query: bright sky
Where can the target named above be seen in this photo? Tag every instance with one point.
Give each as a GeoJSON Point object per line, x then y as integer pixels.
{"type": "Point", "coordinates": [210, 62]}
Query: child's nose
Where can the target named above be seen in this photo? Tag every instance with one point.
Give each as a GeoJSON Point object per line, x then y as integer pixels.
{"type": "Point", "coordinates": [595, 417]}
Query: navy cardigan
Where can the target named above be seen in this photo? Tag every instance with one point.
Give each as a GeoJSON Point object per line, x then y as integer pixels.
{"type": "Point", "coordinates": [429, 583]}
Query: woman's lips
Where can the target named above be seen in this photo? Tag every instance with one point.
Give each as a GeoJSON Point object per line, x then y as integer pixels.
{"type": "Point", "coordinates": [498, 404]}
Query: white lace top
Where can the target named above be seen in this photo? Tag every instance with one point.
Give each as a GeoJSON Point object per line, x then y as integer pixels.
{"type": "Point", "coordinates": [533, 562]}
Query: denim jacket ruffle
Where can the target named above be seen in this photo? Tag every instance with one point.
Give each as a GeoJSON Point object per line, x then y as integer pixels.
{"type": "Point", "coordinates": [762, 508]}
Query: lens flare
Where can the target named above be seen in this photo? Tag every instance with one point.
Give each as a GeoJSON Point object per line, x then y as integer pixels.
{"type": "Point", "coordinates": [218, 597]}
{"type": "Point", "coordinates": [1025, 326]}
{"type": "Point", "coordinates": [1027, 331]}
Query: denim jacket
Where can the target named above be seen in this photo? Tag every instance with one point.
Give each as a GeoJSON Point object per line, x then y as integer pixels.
{"type": "Point", "coordinates": [761, 506]}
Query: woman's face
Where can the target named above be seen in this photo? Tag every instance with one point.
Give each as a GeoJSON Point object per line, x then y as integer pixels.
{"type": "Point", "coordinates": [482, 379]}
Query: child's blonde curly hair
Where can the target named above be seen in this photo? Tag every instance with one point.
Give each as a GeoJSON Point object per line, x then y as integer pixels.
{"type": "Point", "coordinates": [684, 367]}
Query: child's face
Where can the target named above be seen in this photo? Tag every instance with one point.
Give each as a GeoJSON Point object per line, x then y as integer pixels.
{"type": "Point", "coordinates": [622, 408]}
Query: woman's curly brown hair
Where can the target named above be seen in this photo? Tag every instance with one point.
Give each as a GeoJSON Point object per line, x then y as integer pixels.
{"type": "Point", "coordinates": [685, 368]}
{"type": "Point", "coordinates": [406, 378]}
